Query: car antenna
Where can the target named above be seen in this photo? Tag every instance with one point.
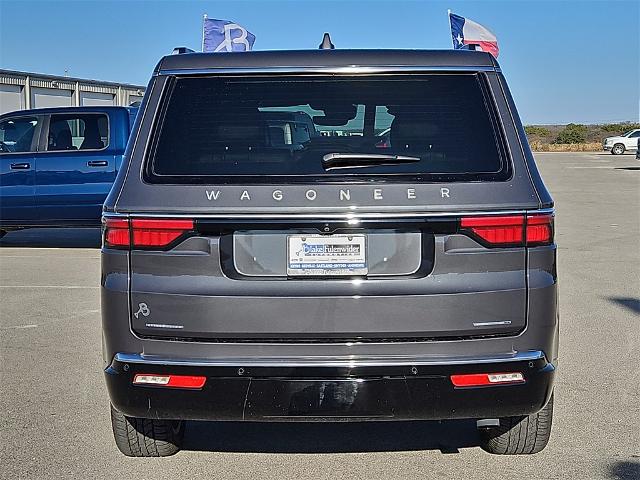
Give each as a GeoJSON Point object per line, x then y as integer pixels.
{"type": "Point", "coordinates": [326, 43]}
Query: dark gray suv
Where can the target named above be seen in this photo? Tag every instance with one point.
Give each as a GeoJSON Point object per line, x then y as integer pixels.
{"type": "Point", "coordinates": [266, 257]}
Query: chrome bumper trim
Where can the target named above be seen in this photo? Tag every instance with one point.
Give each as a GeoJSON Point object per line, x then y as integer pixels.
{"type": "Point", "coordinates": [350, 362]}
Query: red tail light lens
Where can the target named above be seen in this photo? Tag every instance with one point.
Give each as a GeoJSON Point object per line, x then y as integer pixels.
{"type": "Point", "coordinates": [510, 230]}
{"type": "Point", "coordinates": [144, 232]}
{"type": "Point", "coordinates": [540, 229]}
{"type": "Point", "coordinates": [116, 232]}
{"type": "Point", "coordinates": [496, 231]}
{"type": "Point", "coordinates": [148, 232]}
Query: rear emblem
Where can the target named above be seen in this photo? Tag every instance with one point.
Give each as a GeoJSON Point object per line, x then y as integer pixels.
{"type": "Point", "coordinates": [142, 309]}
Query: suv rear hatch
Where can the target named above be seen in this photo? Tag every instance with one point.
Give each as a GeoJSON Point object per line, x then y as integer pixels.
{"type": "Point", "coordinates": [328, 208]}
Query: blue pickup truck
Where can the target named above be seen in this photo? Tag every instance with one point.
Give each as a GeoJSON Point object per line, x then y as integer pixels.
{"type": "Point", "coordinates": [57, 165]}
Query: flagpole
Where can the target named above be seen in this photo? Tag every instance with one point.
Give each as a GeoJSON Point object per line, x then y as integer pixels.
{"type": "Point", "coordinates": [204, 20]}
{"type": "Point", "coordinates": [453, 44]}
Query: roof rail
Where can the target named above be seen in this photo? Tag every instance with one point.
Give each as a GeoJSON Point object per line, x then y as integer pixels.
{"type": "Point", "coordinates": [181, 50]}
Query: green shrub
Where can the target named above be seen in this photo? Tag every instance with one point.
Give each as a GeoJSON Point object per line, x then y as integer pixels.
{"type": "Point", "coordinates": [572, 133]}
{"type": "Point", "coordinates": [619, 128]}
{"type": "Point", "coordinates": [536, 130]}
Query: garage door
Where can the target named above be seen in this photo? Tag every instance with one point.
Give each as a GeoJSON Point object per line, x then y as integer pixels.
{"type": "Point", "coordinates": [50, 97]}
{"type": "Point", "coordinates": [134, 98]}
{"type": "Point", "coordinates": [11, 98]}
{"type": "Point", "coordinates": [92, 99]}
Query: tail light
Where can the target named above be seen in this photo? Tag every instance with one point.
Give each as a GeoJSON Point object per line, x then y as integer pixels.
{"type": "Point", "coordinates": [539, 229]}
{"type": "Point", "coordinates": [144, 232]}
{"type": "Point", "coordinates": [158, 233]}
{"type": "Point", "coordinates": [510, 230]}
{"type": "Point", "coordinates": [116, 232]}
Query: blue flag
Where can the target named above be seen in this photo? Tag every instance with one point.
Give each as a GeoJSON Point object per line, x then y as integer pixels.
{"type": "Point", "coordinates": [225, 36]}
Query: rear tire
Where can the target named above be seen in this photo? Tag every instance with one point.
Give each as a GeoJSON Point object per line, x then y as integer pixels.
{"type": "Point", "coordinates": [519, 435]}
{"type": "Point", "coordinates": [145, 437]}
{"type": "Point", "coordinates": [618, 149]}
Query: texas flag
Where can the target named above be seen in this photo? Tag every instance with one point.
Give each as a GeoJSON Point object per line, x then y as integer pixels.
{"type": "Point", "coordinates": [466, 32]}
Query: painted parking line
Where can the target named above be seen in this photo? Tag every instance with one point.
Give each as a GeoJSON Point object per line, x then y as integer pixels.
{"type": "Point", "coordinates": [76, 257]}
{"type": "Point", "coordinates": [80, 287]}
{"type": "Point", "coordinates": [592, 166]}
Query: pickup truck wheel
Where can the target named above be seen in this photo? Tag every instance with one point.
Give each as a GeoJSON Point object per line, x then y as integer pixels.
{"type": "Point", "coordinates": [145, 437]}
{"type": "Point", "coordinates": [519, 435]}
{"type": "Point", "coordinates": [618, 149]}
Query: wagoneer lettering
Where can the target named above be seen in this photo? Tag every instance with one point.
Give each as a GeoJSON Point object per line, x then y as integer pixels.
{"type": "Point", "coordinates": [343, 195]}
{"type": "Point", "coordinates": [330, 237]}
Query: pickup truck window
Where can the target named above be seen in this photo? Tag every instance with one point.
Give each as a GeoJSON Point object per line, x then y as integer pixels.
{"type": "Point", "coordinates": [264, 129]}
{"type": "Point", "coordinates": [78, 132]}
{"type": "Point", "coordinates": [16, 134]}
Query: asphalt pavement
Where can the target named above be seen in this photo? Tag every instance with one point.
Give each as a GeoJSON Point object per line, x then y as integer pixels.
{"type": "Point", "coordinates": [54, 414]}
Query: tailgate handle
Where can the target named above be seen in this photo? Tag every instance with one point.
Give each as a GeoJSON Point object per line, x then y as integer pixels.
{"type": "Point", "coordinates": [20, 166]}
{"type": "Point", "coordinates": [97, 163]}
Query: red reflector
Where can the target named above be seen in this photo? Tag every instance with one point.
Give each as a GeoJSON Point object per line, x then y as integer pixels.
{"type": "Point", "coordinates": [116, 232]}
{"type": "Point", "coordinates": [170, 381]}
{"type": "Point", "coordinates": [480, 379]}
{"type": "Point", "coordinates": [540, 229]}
{"type": "Point", "coordinates": [496, 230]}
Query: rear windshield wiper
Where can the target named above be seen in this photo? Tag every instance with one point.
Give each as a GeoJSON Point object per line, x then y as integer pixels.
{"type": "Point", "coordinates": [332, 161]}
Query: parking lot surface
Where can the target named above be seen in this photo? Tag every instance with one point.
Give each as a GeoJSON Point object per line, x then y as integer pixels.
{"type": "Point", "coordinates": [54, 415]}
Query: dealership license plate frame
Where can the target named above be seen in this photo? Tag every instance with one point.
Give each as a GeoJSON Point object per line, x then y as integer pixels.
{"type": "Point", "coordinates": [327, 265]}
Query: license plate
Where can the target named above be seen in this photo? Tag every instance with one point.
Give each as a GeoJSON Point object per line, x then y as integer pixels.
{"type": "Point", "coordinates": [327, 255]}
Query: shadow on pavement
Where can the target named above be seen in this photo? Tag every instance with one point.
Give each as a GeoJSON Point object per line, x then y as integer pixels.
{"type": "Point", "coordinates": [632, 304]}
{"type": "Point", "coordinates": [625, 470]}
{"type": "Point", "coordinates": [635, 167]}
{"type": "Point", "coordinates": [53, 238]}
{"type": "Point", "coordinates": [348, 437]}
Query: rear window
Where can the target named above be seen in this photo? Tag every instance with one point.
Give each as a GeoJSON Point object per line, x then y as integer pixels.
{"type": "Point", "coordinates": [332, 128]}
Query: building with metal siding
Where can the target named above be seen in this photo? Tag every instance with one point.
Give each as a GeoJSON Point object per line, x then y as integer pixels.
{"type": "Point", "coordinates": [22, 90]}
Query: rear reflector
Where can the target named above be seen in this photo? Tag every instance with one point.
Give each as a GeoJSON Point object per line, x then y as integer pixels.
{"type": "Point", "coordinates": [170, 381]}
{"type": "Point", "coordinates": [480, 379]}
{"type": "Point", "coordinates": [510, 230]}
{"type": "Point", "coordinates": [144, 232]}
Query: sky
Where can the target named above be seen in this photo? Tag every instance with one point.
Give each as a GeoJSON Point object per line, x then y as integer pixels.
{"type": "Point", "coordinates": [565, 60]}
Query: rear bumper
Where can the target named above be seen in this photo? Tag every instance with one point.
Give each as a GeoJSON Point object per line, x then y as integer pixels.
{"type": "Point", "coordinates": [331, 389]}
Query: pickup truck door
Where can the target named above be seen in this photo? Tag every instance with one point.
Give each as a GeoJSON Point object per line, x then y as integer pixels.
{"type": "Point", "coordinates": [18, 142]}
{"type": "Point", "coordinates": [75, 170]}
{"type": "Point", "coordinates": [631, 143]}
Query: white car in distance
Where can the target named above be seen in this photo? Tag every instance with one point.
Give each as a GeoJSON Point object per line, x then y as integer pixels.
{"type": "Point", "coordinates": [621, 143]}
